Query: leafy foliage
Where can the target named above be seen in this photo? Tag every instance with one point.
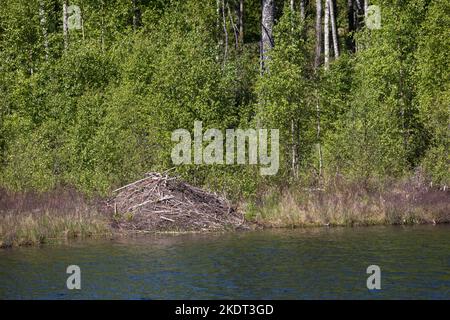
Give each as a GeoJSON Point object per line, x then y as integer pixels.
{"type": "Point", "coordinates": [101, 112]}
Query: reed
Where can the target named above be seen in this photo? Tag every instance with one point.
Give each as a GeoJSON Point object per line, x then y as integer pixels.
{"type": "Point", "coordinates": [349, 205]}
{"type": "Point", "coordinates": [38, 228]}
{"type": "Point", "coordinates": [31, 218]}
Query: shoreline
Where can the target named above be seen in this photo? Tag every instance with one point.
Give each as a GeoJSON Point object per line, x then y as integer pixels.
{"type": "Point", "coordinates": [112, 233]}
{"type": "Point", "coordinates": [32, 219]}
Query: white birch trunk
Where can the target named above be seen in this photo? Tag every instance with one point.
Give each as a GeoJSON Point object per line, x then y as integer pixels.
{"type": "Point", "coordinates": [224, 22]}
{"type": "Point", "coordinates": [334, 29]}
{"type": "Point", "coordinates": [268, 7]}
{"type": "Point", "coordinates": [43, 21]}
{"type": "Point", "coordinates": [241, 21]}
{"type": "Point", "coordinates": [65, 26]}
{"type": "Point", "coordinates": [326, 35]}
{"type": "Point", "coordinates": [318, 33]}
{"type": "Point", "coordinates": [302, 9]}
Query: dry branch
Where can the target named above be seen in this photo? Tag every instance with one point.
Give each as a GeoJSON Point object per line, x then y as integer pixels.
{"type": "Point", "coordinates": [139, 205]}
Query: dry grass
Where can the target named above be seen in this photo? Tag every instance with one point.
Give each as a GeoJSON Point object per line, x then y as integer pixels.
{"type": "Point", "coordinates": [33, 229]}
{"type": "Point", "coordinates": [347, 205]}
{"type": "Point", "coordinates": [33, 219]}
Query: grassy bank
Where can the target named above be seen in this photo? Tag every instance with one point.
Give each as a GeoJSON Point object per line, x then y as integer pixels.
{"type": "Point", "coordinates": [351, 205]}
{"type": "Point", "coordinates": [34, 229]}
{"type": "Point", "coordinates": [33, 219]}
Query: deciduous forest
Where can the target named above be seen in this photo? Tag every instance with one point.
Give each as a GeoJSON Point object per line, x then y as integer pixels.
{"type": "Point", "coordinates": [89, 97]}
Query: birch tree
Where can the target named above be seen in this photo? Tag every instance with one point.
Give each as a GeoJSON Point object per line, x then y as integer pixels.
{"type": "Point", "coordinates": [267, 21]}
{"type": "Point", "coordinates": [241, 21]}
{"type": "Point", "coordinates": [65, 26]}
{"type": "Point", "coordinates": [43, 22]}
{"type": "Point", "coordinates": [318, 33]}
{"type": "Point", "coordinates": [224, 24]}
{"type": "Point", "coordinates": [334, 29]}
{"type": "Point", "coordinates": [316, 65]}
{"type": "Point", "coordinates": [326, 35]}
{"type": "Point", "coordinates": [302, 10]}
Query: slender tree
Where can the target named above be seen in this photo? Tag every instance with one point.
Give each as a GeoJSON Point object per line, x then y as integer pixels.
{"type": "Point", "coordinates": [357, 13]}
{"type": "Point", "coordinates": [318, 33]}
{"type": "Point", "coordinates": [334, 29]}
{"type": "Point", "coordinates": [293, 149]}
{"type": "Point", "coordinates": [302, 9]}
{"type": "Point", "coordinates": [234, 27]}
{"type": "Point", "coordinates": [65, 26]}
{"type": "Point", "coordinates": [316, 67]}
{"type": "Point", "coordinates": [218, 30]}
{"type": "Point", "coordinates": [351, 25]}
{"type": "Point", "coordinates": [43, 22]}
{"type": "Point", "coordinates": [102, 33]}
{"type": "Point", "coordinates": [136, 14]}
{"type": "Point", "coordinates": [241, 21]}
{"type": "Point", "coordinates": [225, 31]}
{"type": "Point", "coordinates": [82, 20]}
{"type": "Point", "coordinates": [267, 21]}
{"type": "Point", "coordinates": [326, 35]}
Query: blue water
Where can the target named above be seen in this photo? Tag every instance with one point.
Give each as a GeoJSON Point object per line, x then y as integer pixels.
{"type": "Point", "coordinates": [322, 263]}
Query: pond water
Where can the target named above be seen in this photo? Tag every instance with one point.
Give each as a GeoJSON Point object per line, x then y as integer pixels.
{"type": "Point", "coordinates": [316, 263]}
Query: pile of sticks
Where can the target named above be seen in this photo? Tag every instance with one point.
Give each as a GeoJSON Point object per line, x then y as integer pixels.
{"type": "Point", "coordinates": [159, 202]}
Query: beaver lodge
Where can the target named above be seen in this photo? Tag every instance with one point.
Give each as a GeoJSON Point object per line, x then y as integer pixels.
{"type": "Point", "coordinates": [159, 202]}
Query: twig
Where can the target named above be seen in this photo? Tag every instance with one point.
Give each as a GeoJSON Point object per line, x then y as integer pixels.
{"type": "Point", "coordinates": [171, 220]}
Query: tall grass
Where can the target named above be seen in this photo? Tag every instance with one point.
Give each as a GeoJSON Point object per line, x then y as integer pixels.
{"type": "Point", "coordinates": [351, 204]}
{"type": "Point", "coordinates": [33, 229]}
{"type": "Point", "coordinates": [32, 219]}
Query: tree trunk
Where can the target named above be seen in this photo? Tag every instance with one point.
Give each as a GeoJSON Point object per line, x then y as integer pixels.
{"type": "Point", "coordinates": [319, 145]}
{"type": "Point", "coordinates": [334, 29]}
{"type": "Point", "coordinates": [293, 131]}
{"type": "Point", "coordinates": [316, 65]}
{"type": "Point", "coordinates": [224, 22]}
{"type": "Point", "coordinates": [82, 20]}
{"type": "Point", "coordinates": [357, 15]}
{"type": "Point", "coordinates": [136, 15]}
{"type": "Point", "coordinates": [43, 21]}
{"type": "Point", "coordinates": [65, 26]}
{"type": "Point", "coordinates": [218, 30]}
{"type": "Point", "coordinates": [294, 150]}
{"type": "Point", "coordinates": [351, 25]}
{"type": "Point", "coordinates": [241, 22]}
{"type": "Point", "coordinates": [318, 33]}
{"type": "Point", "coordinates": [302, 9]}
{"type": "Point", "coordinates": [102, 34]}
{"type": "Point", "coordinates": [268, 10]}
{"type": "Point", "coordinates": [234, 27]}
{"type": "Point", "coordinates": [326, 35]}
